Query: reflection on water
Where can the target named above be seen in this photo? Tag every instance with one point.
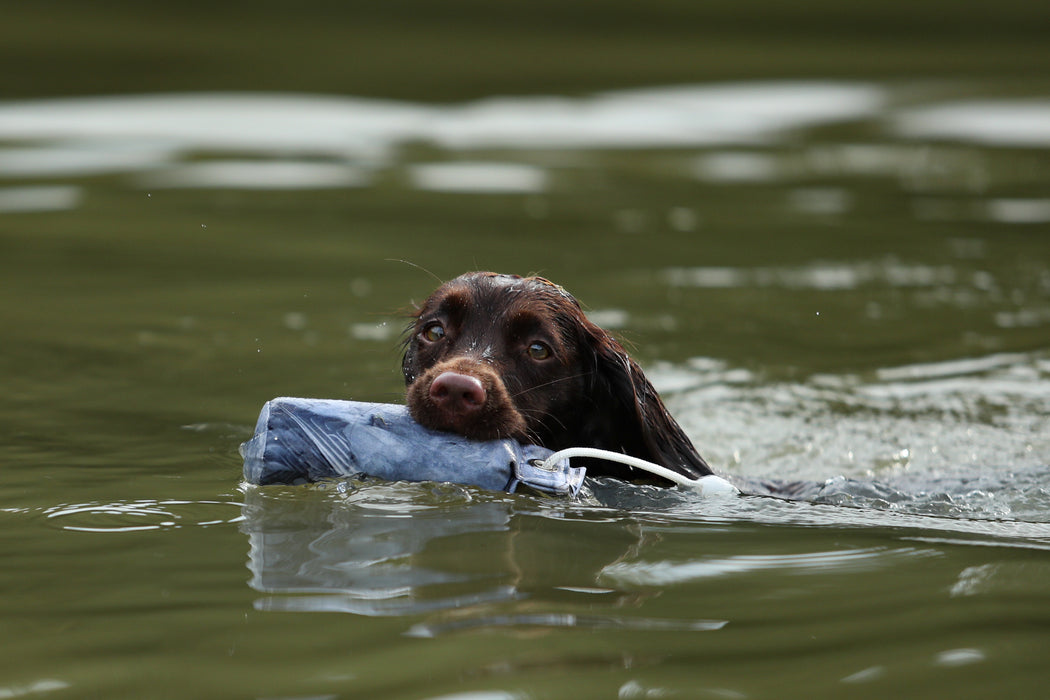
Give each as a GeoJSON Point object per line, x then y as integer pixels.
{"type": "Point", "coordinates": [451, 560]}
{"type": "Point", "coordinates": [366, 559]}
{"type": "Point", "coordinates": [397, 550]}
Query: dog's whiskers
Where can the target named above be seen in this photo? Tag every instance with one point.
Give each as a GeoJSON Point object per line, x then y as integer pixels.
{"type": "Point", "coordinates": [552, 382]}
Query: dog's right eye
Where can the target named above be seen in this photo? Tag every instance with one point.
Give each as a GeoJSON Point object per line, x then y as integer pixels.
{"type": "Point", "coordinates": [434, 332]}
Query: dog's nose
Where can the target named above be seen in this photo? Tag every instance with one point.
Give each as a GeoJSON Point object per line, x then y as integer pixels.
{"type": "Point", "coordinates": [457, 393]}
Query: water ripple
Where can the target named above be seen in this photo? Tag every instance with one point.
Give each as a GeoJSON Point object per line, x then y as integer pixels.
{"type": "Point", "coordinates": [963, 438]}
{"type": "Point", "coordinates": [133, 516]}
{"type": "Point", "coordinates": [548, 620]}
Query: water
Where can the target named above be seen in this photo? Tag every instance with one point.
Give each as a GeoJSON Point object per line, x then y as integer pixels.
{"type": "Point", "coordinates": [842, 279]}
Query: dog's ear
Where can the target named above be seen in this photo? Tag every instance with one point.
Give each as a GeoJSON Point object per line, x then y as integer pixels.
{"type": "Point", "coordinates": [641, 425]}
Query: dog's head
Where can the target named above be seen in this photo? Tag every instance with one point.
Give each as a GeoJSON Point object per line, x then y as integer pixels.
{"type": "Point", "coordinates": [495, 356]}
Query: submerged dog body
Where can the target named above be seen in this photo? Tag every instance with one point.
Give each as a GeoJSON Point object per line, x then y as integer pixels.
{"type": "Point", "coordinates": [500, 356]}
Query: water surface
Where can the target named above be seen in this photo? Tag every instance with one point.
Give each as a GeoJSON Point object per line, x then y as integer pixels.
{"type": "Point", "coordinates": [844, 281]}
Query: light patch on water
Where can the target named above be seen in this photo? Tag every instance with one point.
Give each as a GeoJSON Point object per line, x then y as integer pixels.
{"type": "Point", "coordinates": [256, 175]}
{"type": "Point", "coordinates": [820, 201]}
{"type": "Point", "coordinates": [374, 600]}
{"type": "Point", "coordinates": [916, 167]}
{"type": "Point", "coordinates": [478, 177]}
{"type": "Point", "coordinates": [382, 331]}
{"type": "Point", "coordinates": [1003, 122]}
{"type": "Point", "coordinates": [1019, 211]}
{"type": "Point", "coordinates": [594, 622]}
{"type": "Point", "coordinates": [133, 134]}
{"type": "Point", "coordinates": [999, 391]}
{"type": "Point", "coordinates": [736, 167]}
{"type": "Point", "coordinates": [1022, 318]}
{"type": "Point", "coordinates": [90, 158]}
{"type": "Point", "coordinates": [41, 198]}
{"type": "Point", "coordinates": [866, 675]}
{"type": "Point", "coordinates": [483, 695]}
{"type": "Point", "coordinates": [959, 657]}
{"type": "Point", "coordinates": [708, 277]}
{"type": "Point", "coordinates": [630, 220]}
{"type": "Point", "coordinates": [683, 219]}
{"type": "Point", "coordinates": [44, 685]}
{"type": "Point", "coordinates": [860, 159]}
{"type": "Point", "coordinates": [369, 128]}
{"type": "Point", "coordinates": [295, 321]}
{"type": "Point", "coordinates": [826, 276]}
{"type": "Point", "coordinates": [667, 377]}
{"type": "Point", "coordinates": [743, 113]}
{"type": "Point", "coordinates": [1001, 578]}
{"type": "Point", "coordinates": [950, 368]}
{"type": "Point", "coordinates": [635, 690]}
{"type": "Point", "coordinates": [588, 590]}
{"type": "Point", "coordinates": [973, 580]}
{"type": "Point", "coordinates": [246, 122]}
{"type": "Point", "coordinates": [609, 318]}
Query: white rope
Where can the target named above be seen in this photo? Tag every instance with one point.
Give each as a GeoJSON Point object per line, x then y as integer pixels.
{"type": "Point", "coordinates": [706, 485]}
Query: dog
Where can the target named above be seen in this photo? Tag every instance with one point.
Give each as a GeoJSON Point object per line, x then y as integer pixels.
{"type": "Point", "coordinates": [491, 356]}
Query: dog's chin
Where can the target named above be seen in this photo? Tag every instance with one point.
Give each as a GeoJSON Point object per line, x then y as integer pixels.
{"type": "Point", "coordinates": [471, 429]}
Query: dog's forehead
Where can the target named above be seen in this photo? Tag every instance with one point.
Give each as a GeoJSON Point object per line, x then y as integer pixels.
{"type": "Point", "coordinates": [482, 297]}
{"type": "Point", "coordinates": [512, 287]}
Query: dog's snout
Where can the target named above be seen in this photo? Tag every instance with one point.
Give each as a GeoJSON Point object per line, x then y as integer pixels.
{"type": "Point", "coordinates": [457, 393]}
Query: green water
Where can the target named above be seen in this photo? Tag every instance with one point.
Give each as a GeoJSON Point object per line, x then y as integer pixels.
{"type": "Point", "coordinates": [823, 231]}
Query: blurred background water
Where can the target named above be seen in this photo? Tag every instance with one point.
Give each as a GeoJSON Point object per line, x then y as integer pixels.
{"type": "Point", "coordinates": [822, 228]}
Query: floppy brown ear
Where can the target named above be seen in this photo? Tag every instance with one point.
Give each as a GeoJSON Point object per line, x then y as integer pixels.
{"type": "Point", "coordinates": [641, 425]}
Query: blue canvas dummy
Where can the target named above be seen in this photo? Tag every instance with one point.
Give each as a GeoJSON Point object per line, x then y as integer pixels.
{"type": "Point", "coordinates": [303, 440]}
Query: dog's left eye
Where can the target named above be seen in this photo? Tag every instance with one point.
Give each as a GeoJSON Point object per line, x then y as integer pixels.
{"type": "Point", "coordinates": [434, 332]}
{"type": "Point", "coordinates": [539, 351]}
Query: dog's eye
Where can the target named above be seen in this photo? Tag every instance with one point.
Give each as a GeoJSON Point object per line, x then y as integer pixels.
{"type": "Point", "coordinates": [539, 351]}
{"type": "Point", "coordinates": [434, 332]}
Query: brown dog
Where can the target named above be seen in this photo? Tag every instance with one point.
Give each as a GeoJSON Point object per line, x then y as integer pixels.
{"type": "Point", "coordinates": [500, 356]}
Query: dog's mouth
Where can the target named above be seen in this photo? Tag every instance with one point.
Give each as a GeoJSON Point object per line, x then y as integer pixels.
{"type": "Point", "coordinates": [465, 398]}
